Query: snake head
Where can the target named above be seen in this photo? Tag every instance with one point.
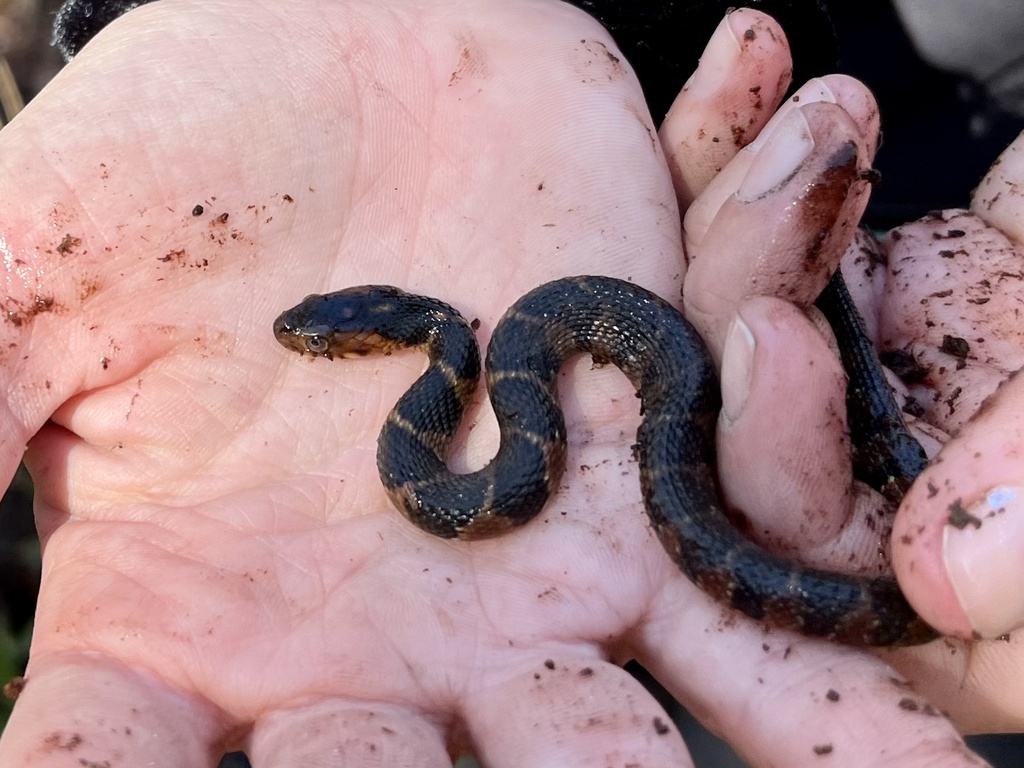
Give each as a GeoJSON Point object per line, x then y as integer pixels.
{"type": "Point", "coordinates": [346, 323]}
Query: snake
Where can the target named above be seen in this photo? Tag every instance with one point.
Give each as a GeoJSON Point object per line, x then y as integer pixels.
{"type": "Point", "coordinates": [662, 355]}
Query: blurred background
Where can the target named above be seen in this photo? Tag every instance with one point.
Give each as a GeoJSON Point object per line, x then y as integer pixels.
{"type": "Point", "coordinates": [949, 78]}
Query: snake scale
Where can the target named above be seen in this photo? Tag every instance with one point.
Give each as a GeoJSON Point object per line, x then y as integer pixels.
{"type": "Point", "coordinates": [664, 358]}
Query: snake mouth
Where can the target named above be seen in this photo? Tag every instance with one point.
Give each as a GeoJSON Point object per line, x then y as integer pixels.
{"type": "Point", "coordinates": [347, 344]}
{"type": "Point", "coordinates": [323, 341]}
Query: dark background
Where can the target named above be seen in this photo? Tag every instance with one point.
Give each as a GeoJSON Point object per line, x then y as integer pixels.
{"type": "Point", "coordinates": [941, 134]}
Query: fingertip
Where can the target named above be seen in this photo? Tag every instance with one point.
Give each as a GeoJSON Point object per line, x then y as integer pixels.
{"type": "Point", "coordinates": [958, 542]}
{"type": "Point", "coordinates": [716, 62]}
{"type": "Point", "coordinates": [756, 31]}
{"type": "Point", "coordinates": [859, 103]}
{"type": "Point", "coordinates": [777, 220]}
{"type": "Point", "coordinates": [983, 554]}
{"type": "Point", "coordinates": [770, 458]}
{"type": "Point", "coordinates": [959, 561]}
{"type": "Point", "coordinates": [991, 201]}
{"type": "Point", "coordinates": [742, 76]}
{"type": "Point", "coordinates": [744, 38]}
{"type": "Point", "coordinates": [855, 99]}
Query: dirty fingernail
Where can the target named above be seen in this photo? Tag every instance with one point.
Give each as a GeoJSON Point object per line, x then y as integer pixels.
{"type": "Point", "coordinates": [779, 158]}
{"type": "Point", "coordinates": [737, 368]}
{"type": "Point", "coordinates": [983, 551]}
{"type": "Point", "coordinates": [716, 62]}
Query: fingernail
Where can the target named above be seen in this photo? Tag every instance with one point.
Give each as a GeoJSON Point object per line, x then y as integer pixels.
{"type": "Point", "coordinates": [983, 551]}
{"type": "Point", "coordinates": [737, 369]}
{"type": "Point", "coordinates": [715, 63]}
{"type": "Point", "coordinates": [779, 158]}
{"type": "Point", "coordinates": [813, 91]}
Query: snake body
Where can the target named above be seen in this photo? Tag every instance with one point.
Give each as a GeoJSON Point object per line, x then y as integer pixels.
{"type": "Point", "coordinates": [664, 358]}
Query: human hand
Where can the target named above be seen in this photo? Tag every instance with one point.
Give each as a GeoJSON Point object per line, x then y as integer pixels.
{"type": "Point", "coordinates": [221, 565]}
{"type": "Point", "coordinates": [953, 275]}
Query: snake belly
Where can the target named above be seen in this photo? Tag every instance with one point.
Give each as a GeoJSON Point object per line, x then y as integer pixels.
{"type": "Point", "coordinates": [663, 357]}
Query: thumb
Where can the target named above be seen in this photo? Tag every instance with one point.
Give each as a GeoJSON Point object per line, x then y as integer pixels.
{"type": "Point", "coordinates": [958, 542]}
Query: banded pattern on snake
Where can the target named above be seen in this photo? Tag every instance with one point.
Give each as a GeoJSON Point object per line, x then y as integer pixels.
{"type": "Point", "coordinates": [664, 358]}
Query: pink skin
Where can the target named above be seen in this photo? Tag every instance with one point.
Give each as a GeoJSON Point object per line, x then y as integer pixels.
{"type": "Point", "coordinates": [957, 274]}
{"type": "Point", "coordinates": [221, 566]}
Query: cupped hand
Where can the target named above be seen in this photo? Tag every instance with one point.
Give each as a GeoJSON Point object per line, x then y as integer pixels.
{"type": "Point", "coordinates": [221, 565]}
{"type": "Point", "coordinates": [942, 299]}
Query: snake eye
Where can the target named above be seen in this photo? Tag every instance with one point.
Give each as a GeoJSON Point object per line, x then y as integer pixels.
{"type": "Point", "coordinates": [317, 345]}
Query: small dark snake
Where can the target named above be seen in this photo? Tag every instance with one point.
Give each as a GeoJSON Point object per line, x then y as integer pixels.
{"type": "Point", "coordinates": [664, 358]}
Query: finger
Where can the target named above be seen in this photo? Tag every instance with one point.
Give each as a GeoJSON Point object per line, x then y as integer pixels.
{"type": "Point", "coordinates": [567, 711]}
{"type": "Point", "coordinates": [958, 544]}
{"type": "Point", "coordinates": [787, 224]}
{"type": "Point", "coordinates": [335, 733]}
{"type": "Point", "coordinates": [852, 709]}
{"type": "Point", "coordinates": [999, 199]}
{"type": "Point", "coordinates": [849, 94]}
{"type": "Point", "coordinates": [979, 685]}
{"type": "Point", "coordinates": [742, 76]}
{"type": "Point", "coordinates": [952, 304]}
{"type": "Point", "coordinates": [785, 471]}
{"type": "Point", "coordinates": [79, 710]}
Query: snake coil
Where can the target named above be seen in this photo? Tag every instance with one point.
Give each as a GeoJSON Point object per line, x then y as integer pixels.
{"type": "Point", "coordinates": [664, 358]}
